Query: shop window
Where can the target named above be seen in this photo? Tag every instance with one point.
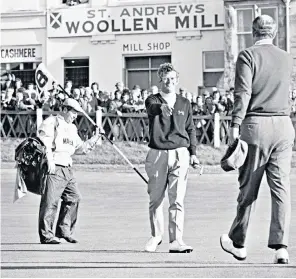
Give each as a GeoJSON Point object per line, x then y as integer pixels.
{"type": "Point", "coordinates": [142, 71]}
{"type": "Point", "coordinates": [23, 71]}
{"type": "Point", "coordinates": [273, 12]}
{"type": "Point", "coordinates": [77, 70]}
{"type": "Point", "coordinates": [244, 28]}
{"type": "Point", "coordinates": [213, 67]}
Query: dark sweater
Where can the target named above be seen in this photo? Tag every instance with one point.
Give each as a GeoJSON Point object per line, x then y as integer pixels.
{"type": "Point", "coordinates": [262, 82]}
{"type": "Point", "coordinates": [171, 132]}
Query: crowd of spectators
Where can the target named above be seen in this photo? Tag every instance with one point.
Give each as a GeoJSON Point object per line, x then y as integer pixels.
{"type": "Point", "coordinates": [15, 97]}
{"type": "Point", "coordinates": [121, 100]}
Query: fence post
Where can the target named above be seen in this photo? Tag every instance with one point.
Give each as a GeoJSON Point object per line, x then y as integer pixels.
{"type": "Point", "coordinates": [99, 122]}
{"type": "Point", "coordinates": [216, 130]}
{"type": "Point", "coordinates": [39, 118]}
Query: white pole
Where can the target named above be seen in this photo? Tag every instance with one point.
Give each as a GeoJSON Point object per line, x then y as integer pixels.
{"type": "Point", "coordinates": [39, 118]}
{"type": "Point", "coordinates": [216, 130]}
{"type": "Point", "coordinates": [99, 123]}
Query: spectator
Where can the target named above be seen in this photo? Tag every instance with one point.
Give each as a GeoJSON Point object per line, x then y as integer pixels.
{"type": "Point", "coordinates": [9, 102]}
{"type": "Point", "coordinates": [230, 102]}
{"type": "Point", "coordinates": [18, 84]}
{"type": "Point", "coordinates": [54, 90]}
{"type": "Point", "coordinates": [137, 90]}
{"type": "Point", "coordinates": [104, 101]}
{"type": "Point", "coordinates": [198, 107]}
{"type": "Point", "coordinates": [95, 88]}
{"type": "Point", "coordinates": [68, 87]}
{"type": "Point", "coordinates": [144, 95]}
{"type": "Point", "coordinates": [182, 92]}
{"type": "Point", "coordinates": [293, 103]}
{"type": "Point", "coordinates": [154, 89]}
{"type": "Point", "coordinates": [119, 86]}
{"type": "Point", "coordinates": [76, 94]}
{"type": "Point", "coordinates": [189, 97]}
{"type": "Point", "coordinates": [115, 105]}
{"type": "Point", "coordinates": [9, 81]}
{"type": "Point", "coordinates": [82, 91]}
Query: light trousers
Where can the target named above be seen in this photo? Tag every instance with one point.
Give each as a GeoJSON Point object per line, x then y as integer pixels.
{"type": "Point", "coordinates": [167, 169]}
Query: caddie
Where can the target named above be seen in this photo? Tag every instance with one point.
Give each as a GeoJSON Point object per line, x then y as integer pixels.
{"type": "Point", "coordinates": [61, 139]}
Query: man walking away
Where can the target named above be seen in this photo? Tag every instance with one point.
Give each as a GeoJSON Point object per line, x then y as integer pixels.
{"type": "Point", "coordinates": [261, 112]}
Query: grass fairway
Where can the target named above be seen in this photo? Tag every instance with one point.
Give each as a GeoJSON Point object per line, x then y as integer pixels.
{"type": "Point", "coordinates": [113, 228]}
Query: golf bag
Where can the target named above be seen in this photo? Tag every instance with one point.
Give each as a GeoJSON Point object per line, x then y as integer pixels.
{"type": "Point", "coordinates": [32, 163]}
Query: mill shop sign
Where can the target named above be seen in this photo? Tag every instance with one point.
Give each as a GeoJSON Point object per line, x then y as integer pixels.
{"type": "Point", "coordinates": [72, 22]}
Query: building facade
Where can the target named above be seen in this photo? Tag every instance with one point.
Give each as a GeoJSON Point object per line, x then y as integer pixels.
{"type": "Point", "coordinates": [122, 40]}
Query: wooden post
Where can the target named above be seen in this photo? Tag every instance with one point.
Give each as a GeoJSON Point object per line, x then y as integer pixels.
{"type": "Point", "coordinates": [99, 122]}
{"type": "Point", "coordinates": [39, 118]}
{"type": "Point", "coordinates": [216, 130]}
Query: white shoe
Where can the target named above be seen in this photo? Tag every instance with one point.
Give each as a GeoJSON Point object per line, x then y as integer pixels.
{"type": "Point", "coordinates": [152, 243]}
{"type": "Point", "coordinates": [227, 245]}
{"type": "Point", "coordinates": [281, 256]}
{"type": "Point", "coordinates": [178, 246]}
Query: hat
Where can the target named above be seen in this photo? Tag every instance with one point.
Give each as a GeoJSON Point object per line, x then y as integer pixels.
{"type": "Point", "coordinates": [73, 104]}
{"type": "Point", "coordinates": [235, 155]}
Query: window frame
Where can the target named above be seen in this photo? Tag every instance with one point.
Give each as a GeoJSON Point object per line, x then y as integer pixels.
{"type": "Point", "coordinates": [264, 6]}
{"type": "Point", "coordinates": [257, 10]}
{"type": "Point", "coordinates": [69, 67]}
{"type": "Point", "coordinates": [150, 69]}
{"type": "Point", "coordinates": [212, 70]}
{"type": "Point", "coordinates": [21, 69]}
{"type": "Point", "coordinates": [248, 7]}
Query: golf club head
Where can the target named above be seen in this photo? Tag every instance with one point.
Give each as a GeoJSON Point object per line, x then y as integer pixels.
{"type": "Point", "coordinates": [199, 167]}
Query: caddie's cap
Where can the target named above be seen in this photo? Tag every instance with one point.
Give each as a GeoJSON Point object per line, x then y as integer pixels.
{"type": "Point", "coordinates": [69, 102]}
{"type": "Point", "coordinates": [264, 26]}
{"type": "Point", "coordinates": [235, 155]}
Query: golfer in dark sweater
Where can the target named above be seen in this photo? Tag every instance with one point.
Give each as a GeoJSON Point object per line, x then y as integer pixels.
{"type": "Point", "coordinates": [172, 148]}
{"type": "Point", "coordinates": [261, 114]}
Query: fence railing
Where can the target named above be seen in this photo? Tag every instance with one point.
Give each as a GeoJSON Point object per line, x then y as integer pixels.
{"type": "Point", "coordinates": [212, 130]}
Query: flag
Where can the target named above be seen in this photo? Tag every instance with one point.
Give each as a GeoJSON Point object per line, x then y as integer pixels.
{"type": "Point", "coordinates": [43, 78]}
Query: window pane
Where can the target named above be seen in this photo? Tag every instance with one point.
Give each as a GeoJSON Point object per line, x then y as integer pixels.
{"type": "Point", "coordinates": [211, 79]}
{"type": "Point", "coordinates": [76, 62]}
{"type": "Point", "coordinates": [28, 66]}
{"type": "Point", "coordinates": [26, 76]}
{"type": "Point", "coordinates": [157, 60]}
{"type": "Point", "coordinates": [244, 41]}
{"type": "Point", "coordinates": [155, 79]}
{"type": "Point", "coordinates": [269, 11]}
{"type": "Point", "coordinates": [214, 60]}
{"type": "Point", "coordinates": [140, 78]}
{"type": "Point", "coordinates": [137, 62]}
{"type": "Point", "coordinates": [78, 76]}
{"type": "Point", "coordinates": [15, 66]}
{"type": "Point", "coordinates": [244, 20]}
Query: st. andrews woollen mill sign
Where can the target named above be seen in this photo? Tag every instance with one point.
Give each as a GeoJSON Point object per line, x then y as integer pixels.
{"type": "Point", "coordinates": [135, 19]}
